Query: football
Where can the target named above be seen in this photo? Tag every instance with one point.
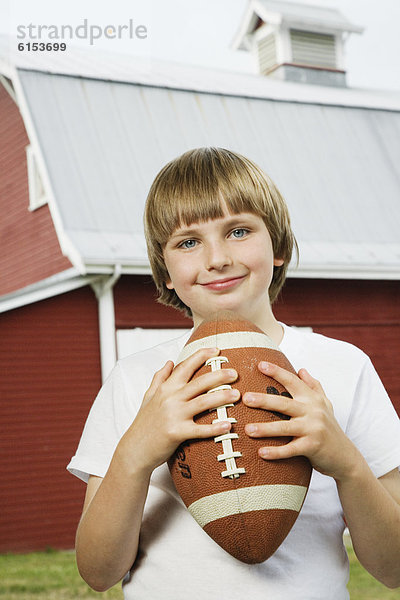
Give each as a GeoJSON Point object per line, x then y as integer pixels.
{"type": "Point", "coordinates": [246, 504]}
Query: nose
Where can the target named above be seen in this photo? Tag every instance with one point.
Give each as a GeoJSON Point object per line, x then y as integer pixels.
{"type": "Point", "coordinates": [218, 256]}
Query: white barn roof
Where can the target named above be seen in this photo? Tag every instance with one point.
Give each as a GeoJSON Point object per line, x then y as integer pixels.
{"type": "Point", "coordinates": [103, 136]}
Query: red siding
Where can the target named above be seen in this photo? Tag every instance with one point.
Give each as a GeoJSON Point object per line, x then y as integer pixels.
{"type": "Point", "coordinates": [364, 313]}
{"type": "Point", "coordinates": [136, 306]}
{"type": "Point", "coordinates": [49, 354]}
{"type": "Point", "coordinates": [30, 248]}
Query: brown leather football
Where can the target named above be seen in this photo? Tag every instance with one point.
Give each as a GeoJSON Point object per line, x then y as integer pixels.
{"type": "Point", "coordinates": [246, 504]}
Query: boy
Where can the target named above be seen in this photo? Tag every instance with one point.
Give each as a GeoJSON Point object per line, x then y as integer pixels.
{"type": "Point", "coordinates": [219, 237]}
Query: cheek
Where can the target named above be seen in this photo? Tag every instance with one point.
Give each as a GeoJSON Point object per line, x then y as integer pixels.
{"type": "Point", "coordinates": [257, 261]}
{"type": "Point", "coordinates": [181, 275]}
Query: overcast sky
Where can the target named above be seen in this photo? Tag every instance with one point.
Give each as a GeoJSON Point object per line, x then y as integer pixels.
{"type": "Point", "coordinates": [200, 31]}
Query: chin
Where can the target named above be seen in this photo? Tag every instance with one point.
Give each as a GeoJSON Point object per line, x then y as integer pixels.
{"type": "Point", "coordinates": [229, 305]}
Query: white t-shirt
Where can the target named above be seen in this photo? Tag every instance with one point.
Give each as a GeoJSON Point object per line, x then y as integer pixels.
{"type": "Point", "coordinates": [177, 559]}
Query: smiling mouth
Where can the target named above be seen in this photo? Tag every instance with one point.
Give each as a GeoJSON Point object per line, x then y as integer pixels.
{"type": "Point", "coordinates": [223, 284]}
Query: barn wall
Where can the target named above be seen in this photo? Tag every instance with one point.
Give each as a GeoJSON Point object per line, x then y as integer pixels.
{"type": "Point", "coordinates": [29, 245]}
{"type": "Point", "coordinates": [364, 313]}
{"type": "Point", "coordinates": [49, 352]}
{"type": "Point", "coordinates": [136, 306]}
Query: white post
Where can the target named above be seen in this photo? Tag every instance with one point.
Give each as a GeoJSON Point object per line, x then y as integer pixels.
{"type": "Point", "coordinates": [105, 296]}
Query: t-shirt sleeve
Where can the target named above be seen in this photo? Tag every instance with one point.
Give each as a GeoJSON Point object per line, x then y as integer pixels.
{"type": "Point", "coordinates": [111, 414]}
{"type": "Point", "coordinates": [117, 405]}
{"type": "Point", "coordinates": [373, 425]}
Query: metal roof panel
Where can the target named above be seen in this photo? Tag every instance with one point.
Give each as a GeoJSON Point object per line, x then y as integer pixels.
{"type": "Point", "coordinates": [103, 143]}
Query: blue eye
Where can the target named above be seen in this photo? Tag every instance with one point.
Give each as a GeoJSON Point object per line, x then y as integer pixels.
{"type": "Point", "coordinates": [188, 244]}
{"type": "Point", "coordinates": [240, 232]}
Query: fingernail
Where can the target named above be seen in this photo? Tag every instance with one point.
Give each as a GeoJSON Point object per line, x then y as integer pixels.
{"type": "Point", "coordinates": [235, 393]}
{"type": "Point", "coordinates": [264, 365]}
{"type": "Point", "coordinates": [251, 428]}
{"type": "Point", "coordinates": [264, 452]}
{"type": "Point", "coordinates": [249, 398]}
{"type": "Point", "coordinates": [225, 426]}
{"type": "Point", "coordinates": [232, 373]}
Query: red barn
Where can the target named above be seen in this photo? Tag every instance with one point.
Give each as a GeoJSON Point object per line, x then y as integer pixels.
{"type": "Point", "coordinates": [78, 151]}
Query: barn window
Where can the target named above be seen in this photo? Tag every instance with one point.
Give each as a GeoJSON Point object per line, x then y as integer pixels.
{"type": "Point", "coordinates": [37, 194]}
{"type": "Point", "coordinates": [138, 339]}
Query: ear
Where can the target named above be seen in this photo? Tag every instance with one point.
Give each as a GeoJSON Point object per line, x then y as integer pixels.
{"type": "Point", "coordinates": [278, 262]}
{"type": "Point", "coordinates": [169, 284]}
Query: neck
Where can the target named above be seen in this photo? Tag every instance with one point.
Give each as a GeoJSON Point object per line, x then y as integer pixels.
{"type": "Point", "coordinates": [274, 331]}
{"type": "Point", "coordinates": [267, 323]}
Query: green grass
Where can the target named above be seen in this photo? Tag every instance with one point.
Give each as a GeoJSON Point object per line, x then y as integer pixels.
{"type": "Point", "coordinates": [46, 576]}
{"type": "Point", "coordinates": [53, 576]}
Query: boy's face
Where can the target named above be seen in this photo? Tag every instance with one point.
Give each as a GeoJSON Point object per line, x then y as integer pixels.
{"type": "Point", "coordinates": [222, 264]}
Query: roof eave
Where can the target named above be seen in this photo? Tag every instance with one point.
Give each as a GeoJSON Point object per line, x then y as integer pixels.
{"type": "Point", "coordinates": [252, 14]}
{"type": "Point", "coordinates": [61, 283]}
{"type": "Point", "coordinates": [128, 268]}
{"type": "Point", "coordinates": [341, 271]}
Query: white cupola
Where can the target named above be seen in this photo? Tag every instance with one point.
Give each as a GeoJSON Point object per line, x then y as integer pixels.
{"type": "Point", "coordinates": [296, 42]}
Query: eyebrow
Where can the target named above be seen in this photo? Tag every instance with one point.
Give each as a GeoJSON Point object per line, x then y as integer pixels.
{"type": "Point", "coordinates": [235, 220]}
{"type": "Point", "coordinates": [182, 233]}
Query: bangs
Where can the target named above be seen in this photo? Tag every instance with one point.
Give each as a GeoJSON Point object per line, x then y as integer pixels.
{"type": "Point", "coordinates": [184, 195]}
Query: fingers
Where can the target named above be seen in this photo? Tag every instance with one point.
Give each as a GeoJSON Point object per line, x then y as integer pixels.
{"type": "Point", "coordinates": [295, 384]}
{"type": "Point", "coordinates": [280, 428]}
{"type": "Point", "coordinates": [282, 404]}
{"type": "Point", "coordinates": [290, 381]}
{"type": "Point", "coordinates": [312, 429]}
{"type": "Point", "coordinates": [212, 400]}
{"type": "Point", "coordinates": [208, 381]}
{"type": "Point", "coordinates": [309, 409]}
{"type": "Point", "coordinates": [285, 451]}
{"type": "Point", "coordinates": [181, 377]}
{"type": "Point", "coordinates": [212, 430]}
{"type": "Point", "coordinates": [178, 380]}
{"type": "Point", "coordinates": [177, 399]}
{"type": "Point", "coordinates": [293, 428]}
{"type": "Point", "coordinates": [207, 402]}
{"type": "Point", "coordinates": [203, 404]}
{"type": "Point", "coordinates": [186, 369]}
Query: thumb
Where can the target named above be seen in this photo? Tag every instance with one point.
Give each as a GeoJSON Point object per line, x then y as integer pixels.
{"type": "Point", "coordinates": [158, 378]}
{"type": "Point", "coordinates": [305, 376]}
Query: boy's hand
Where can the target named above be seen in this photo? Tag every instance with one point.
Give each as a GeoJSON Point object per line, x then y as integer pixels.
{"type": "Point", "coordinates": [165, 418]}
{"type": "Point", "coordinates": [314, 430]}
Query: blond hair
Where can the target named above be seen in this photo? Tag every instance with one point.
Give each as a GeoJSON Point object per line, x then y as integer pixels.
{"type": "Point", "coordinates": [189, 189]}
